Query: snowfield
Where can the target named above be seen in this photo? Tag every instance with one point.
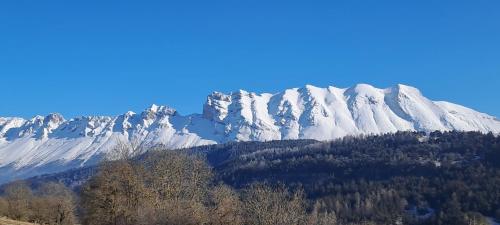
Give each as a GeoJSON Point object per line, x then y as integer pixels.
{"type": "Point", "coordinates": [51, 143]}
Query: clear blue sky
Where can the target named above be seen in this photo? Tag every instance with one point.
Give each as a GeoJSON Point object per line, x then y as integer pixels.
{"type": "Point", "coordinates": [107, 57]}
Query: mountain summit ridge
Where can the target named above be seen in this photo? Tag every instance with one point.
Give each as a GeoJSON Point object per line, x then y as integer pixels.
{"type": "Point", "coordinates": [51, 143]}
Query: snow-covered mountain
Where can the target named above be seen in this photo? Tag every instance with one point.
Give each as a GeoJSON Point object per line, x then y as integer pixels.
{"type": "Point", "coordinates": [52, 143]}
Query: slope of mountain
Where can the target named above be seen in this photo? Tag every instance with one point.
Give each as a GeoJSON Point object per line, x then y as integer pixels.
{"type": "Point", "coordinates": [50, 144]}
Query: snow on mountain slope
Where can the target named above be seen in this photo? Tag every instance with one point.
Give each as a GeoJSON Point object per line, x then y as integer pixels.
{"type": "Point", "coordinates": [50, 144]}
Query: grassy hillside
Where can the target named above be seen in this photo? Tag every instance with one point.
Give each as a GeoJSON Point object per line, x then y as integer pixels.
{"type": "Point", "coordinates": [5, 221]}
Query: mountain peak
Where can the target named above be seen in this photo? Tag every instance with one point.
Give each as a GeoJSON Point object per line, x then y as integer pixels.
{"type": "Point", "coordinates": [160, 109]}
{"type": "Point", "coordinates": [153, 108]}
{"type": "Point", "coordinates": [308, 112]}
{"type": "Point", "coordinates": [363, 86]}
{"type": "Point", "coordinates": [54, 118]}
{"type": "Point", "coordinates": [310, 86]}
{"type": "Point", "coordinates": [406, 88]}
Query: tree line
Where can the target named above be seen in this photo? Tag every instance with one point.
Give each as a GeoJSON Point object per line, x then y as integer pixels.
{"type": "Point", "coordinates": [175, 188]}
{"type": "Point", "coordinates": [400, 178]}
{"type": "Point", "coordinates": [51, 203]}
{"type": "Point", "coordinates": [449, 177]}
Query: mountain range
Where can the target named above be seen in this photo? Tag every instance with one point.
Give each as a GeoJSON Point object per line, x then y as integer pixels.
{"type": "Point", "coordinates": [47, 144]}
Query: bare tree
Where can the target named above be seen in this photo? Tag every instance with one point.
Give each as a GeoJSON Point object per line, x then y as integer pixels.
{"type": "Point", "coordinates": [319, 217]}
{"type": "Point", "coordinates": [175, 188]}
{"type": "Point", "coordinates": [226, 206]}
{"type": "Point", "coordinates": [267, 206]}
{"type": "Point", "coordinates": [180, 184]}
{"type": "Point", "coordinates": [114, 196]}
{"type": "Point", "coordinates": [59, 203]}
{"type": "Point", "coordinates": [4, 207]}
{"type": "Point", "coordinates": [124, 150]}
{"type": "Point", "coordinates": [18, 196]}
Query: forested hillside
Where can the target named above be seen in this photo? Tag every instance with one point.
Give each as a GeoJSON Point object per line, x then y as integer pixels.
{"type": "Point", "coordinates": [401, 178]}
{"type": "Point", "coordinates": [443, 178]}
